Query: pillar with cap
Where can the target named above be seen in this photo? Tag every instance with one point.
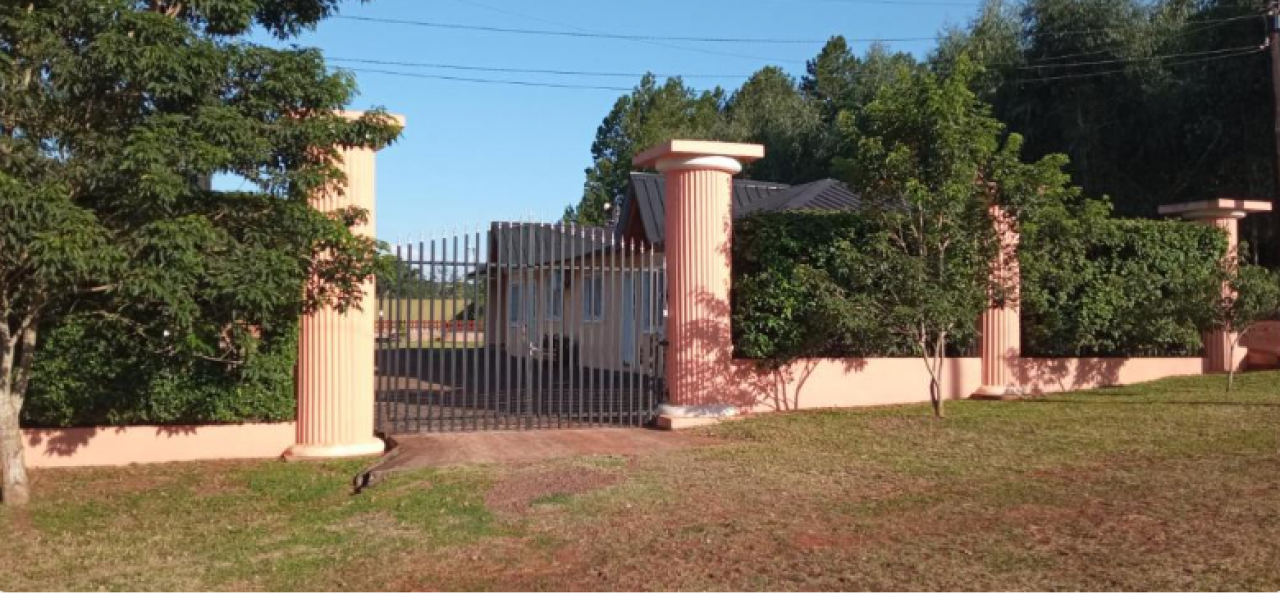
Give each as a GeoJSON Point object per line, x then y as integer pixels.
{"type": "Point", "coordinates": [699, 226]}
{"type": "Point", "coordinates": [335, 377]}
{"type": "Point", "coordinates": [1225, 214]}
{"type": "Point", "coordinates": [1000, 339]}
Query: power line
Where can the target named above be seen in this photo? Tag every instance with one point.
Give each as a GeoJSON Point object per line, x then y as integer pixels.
{"type": "Point", "coordinates": [491, 81]}
{"type": "Point", "coordinates": [444, 66]}
{"type": "Point", "coordinates": [598, 35]}
{"type": "Point", "coordinates": [1139, 59]}
{"type": "Point", "coordinates": [570, 26]}
{"type": "Point", "coordinates": [1251, 51]}
{"type": "Point", "coordinates": [1204, 26]}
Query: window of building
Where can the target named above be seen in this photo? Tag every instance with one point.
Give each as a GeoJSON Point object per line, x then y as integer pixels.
{"type": "Point", "coordinates": [593, 299]}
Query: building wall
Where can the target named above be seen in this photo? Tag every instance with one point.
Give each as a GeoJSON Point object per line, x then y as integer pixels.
{"type": "Point", "coordinates": [600, 342]}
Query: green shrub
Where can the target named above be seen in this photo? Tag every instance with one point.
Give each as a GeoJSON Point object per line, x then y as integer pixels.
{"type": "Point", "coordinates": [787, 301]}
{"type": "Point", "coordinates": [1091, 286]}
{"type": "Point", "coordinates": [1096, 286]}
{"type": "Point", "coordinates": [91, 370]}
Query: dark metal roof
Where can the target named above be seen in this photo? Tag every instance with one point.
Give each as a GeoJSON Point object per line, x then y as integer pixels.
{"type": "Point", "coordinates": [532, 244]}
{"type": "Point", "coordinates": [646, 199]}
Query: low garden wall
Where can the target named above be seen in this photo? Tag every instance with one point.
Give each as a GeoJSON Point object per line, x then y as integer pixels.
{"type": "Point", "coordinates": [834, 383]}
{"type": "Point", "coordinates": [140, 444]}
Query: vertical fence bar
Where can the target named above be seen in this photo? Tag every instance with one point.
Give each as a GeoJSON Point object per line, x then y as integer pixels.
{"type": "Point", "coordinates": [560, 336]}
{"type": "Point", "coordinates": [455, 375]}
{"type": "Point", "coordinates": [637, 323]}
{"type": "Point", "coordinates": [588, 334]}
{"type": "Point", "coordinates": [575, 329]}
{"type": "Point", "coordinates": [473, 331]}
{"type": "Point", "coordinates": [487, 347]}
{"type": "Point", "coordinates": [527, 261]}
{"type": "Point", "coordinates": [504, 321]}
{"type": "Point", "coordinates": [416, 268]}
{"type": "Point", "coordinates": [627, 405]}
{"type": "Point", "coordinates": [464, 355]}
{"type": "Point", "coordinates": [435, 385]}
{"type": "Point", "coordinates": [398, 395]}
{"type": "Point", "coordinates": [535, 324]}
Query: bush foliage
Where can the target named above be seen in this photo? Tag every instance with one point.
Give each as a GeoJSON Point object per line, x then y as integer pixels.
{"type": "Point", "coordinates": [1097, 286]}
{"type": "Point", "coordinates": [787, 299]}
{"type": "Point", "coordinates": [95, 371]}
{"type": "Point", "coordinates": [1091, 285]}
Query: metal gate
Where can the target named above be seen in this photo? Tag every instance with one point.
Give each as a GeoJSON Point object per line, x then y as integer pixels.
{"type": "Point", "coordinates": [522, 326]}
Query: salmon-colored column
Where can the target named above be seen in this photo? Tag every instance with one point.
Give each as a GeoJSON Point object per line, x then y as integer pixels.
{"type": "Point", "coordinates": [335, 350]}
{"type": "Point", "coordinates": [699, 226]}
{"type": "Point", "coordinates": [1225, 214]}
{"type": "Point", "coordinates": [1001, 324]}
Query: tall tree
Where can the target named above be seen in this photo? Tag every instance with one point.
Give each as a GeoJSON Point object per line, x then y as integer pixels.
{"type": "Point", "coordinates": [930, 161]}
{"type": "Point", "coordinates": [770, 110]}
{"type": "Point", "coordinates": [111, 112]}
{"type": "Point", "coordinates": [650, 114]}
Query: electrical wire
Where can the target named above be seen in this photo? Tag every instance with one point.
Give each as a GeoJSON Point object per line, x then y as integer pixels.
{"type": "Point", "coordinates": [599, 35]}
{"type": "Point", "coordinates": [1082, 75]}
{"type": "Point", "coordinates": [1139, 59]}
{"type": "Point", "coordinates": [529, 70]}
{"type": "Point", "coordinates": [492, 81]}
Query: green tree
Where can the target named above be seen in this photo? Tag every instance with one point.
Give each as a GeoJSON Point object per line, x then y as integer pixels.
{"type": "Point", "coordinates": [1254, 297]}
{"type": "Point", "coordinates": [930, 161]}
{"type": "Point", "coordinates": [770, 110]}
{"type": "Point", "coordinates": [1147, 98]}
{"type": "Point", "coordinates": [650, 114]}
{"type": "Point", "coordinates": [111, 113]}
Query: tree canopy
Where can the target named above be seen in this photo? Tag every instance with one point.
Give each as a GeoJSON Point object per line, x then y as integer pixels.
{"type": "Point", "coordinates": [112, 115]}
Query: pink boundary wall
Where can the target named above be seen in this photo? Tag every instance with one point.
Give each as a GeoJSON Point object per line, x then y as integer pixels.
{"type": "Point", "coordinates": [143, 444]}
{"type": "Point", "coordinates": [839, 383]}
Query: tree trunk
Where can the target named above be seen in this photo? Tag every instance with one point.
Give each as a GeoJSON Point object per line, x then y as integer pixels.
{"type": "Point", "coordinates": [14, 486]}
{"type": "Point", "coordinates": [1231, 366]}
{"type": "Point", "coordinates": [15, 489]}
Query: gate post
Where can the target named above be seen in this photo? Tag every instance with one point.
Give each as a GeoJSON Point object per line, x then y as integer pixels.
{"type": "Point", "coordinates": [699, 225]}
{"type": "Point", "coordinates": [1225, 214]}
{"type": "Point", "coordinates": [335, 377]}
{"type": "Point", "coordinates": [1000, 338]}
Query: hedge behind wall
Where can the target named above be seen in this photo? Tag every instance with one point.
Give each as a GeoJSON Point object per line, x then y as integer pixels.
{"type": "Point", "coordinates": [1096, 286]}
{"type": "Point", "coordinates": [90, 371]}
{"type": "Point", "coordinates": [1091, 286]}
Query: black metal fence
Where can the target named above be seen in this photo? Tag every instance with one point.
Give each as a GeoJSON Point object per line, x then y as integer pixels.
{"type": "Point", "coordinates": [522, 326]}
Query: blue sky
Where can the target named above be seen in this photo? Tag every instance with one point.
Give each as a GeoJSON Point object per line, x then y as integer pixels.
{"type": "Point", "coordinates": [473, 152]}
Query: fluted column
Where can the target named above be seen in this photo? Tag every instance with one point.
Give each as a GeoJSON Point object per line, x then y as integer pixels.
{"type": "Point", "coordinates": [335, 377]}
{"type": "Point", "coordinates": [699, 226]}
{"type": "Point", "coordinates": [1225, 214]}
{"type": "Point", "coordinates": [1001, 323]}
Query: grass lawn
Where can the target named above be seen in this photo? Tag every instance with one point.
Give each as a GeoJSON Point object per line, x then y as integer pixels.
{"type": "Point", "coordinates": [1170, 485]}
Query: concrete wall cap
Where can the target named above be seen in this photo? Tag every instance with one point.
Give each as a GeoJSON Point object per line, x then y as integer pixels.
{"type": "Point", "coordinates": [742, 153]}
{"type": "Point", "coordinates": [1224, 208]}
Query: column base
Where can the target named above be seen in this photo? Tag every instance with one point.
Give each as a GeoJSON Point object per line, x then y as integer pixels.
{"type": "Point", "coordinates": [998, 393]}
{"type": "Point", "coordinates": [304, 451]}
{"type": "Point", "coordinates": [674, 418]}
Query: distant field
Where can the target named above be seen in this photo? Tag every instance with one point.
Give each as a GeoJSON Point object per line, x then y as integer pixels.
{"type": "Point", "coordinates": [421, 309]}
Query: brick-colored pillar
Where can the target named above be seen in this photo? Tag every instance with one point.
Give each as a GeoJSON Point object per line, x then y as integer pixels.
{"type": "Point", "coordinates": [335, 381]}
{"type": "Point", "coordinates": [699, 225]}
{"type": "Point", "coordinates": [1001, 324]}
{"type": "Point", "coordinates": [1225, 214]}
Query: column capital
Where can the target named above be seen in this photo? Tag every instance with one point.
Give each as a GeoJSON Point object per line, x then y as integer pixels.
{"type": "Point", "coordinates": [353, 114]}
{"type": "Point", "coordinates": [678, 155]}
{"type": "Point", "coordinates": [1218, 208]}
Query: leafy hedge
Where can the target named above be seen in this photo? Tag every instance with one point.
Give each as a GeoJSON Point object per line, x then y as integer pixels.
{"type": "Point", "coordinates": [791, 289]}
{"type": "Point", "coordinates": [1091, 286]}
{"type": "Point", "coordinates": [92, 371]}
{"type": "Point", "coordinates": [1097, 286]}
